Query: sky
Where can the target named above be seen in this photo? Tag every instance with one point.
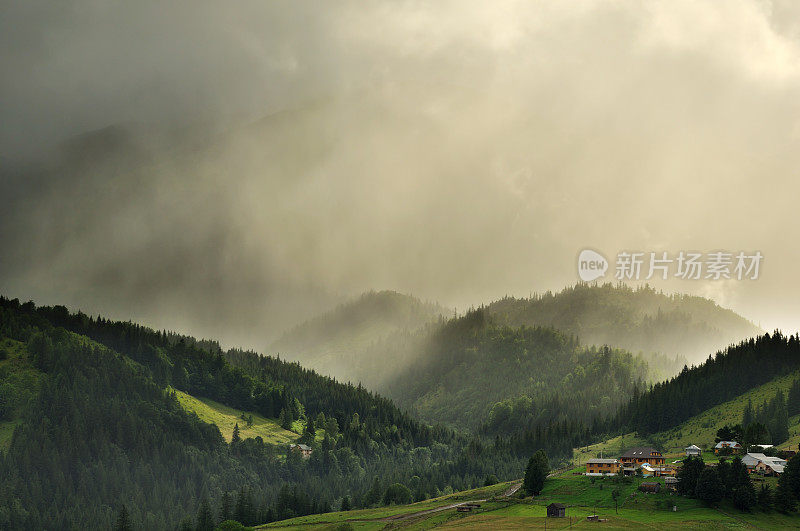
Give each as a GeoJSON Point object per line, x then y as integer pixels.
{"type": "Point", "coordinates": [228, 170]}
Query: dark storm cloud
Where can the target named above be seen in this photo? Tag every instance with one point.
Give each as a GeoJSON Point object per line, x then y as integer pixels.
{"type": "Point", "coordinates": [268, 157]}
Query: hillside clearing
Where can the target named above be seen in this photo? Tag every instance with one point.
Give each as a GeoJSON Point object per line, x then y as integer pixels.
{"type": "Point", "coordinates": [226, 417]}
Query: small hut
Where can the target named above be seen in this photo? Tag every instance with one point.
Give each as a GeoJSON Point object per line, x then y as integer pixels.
{"type": "Point", "coordinates": [556, 510]}
{"type": "Point", "coordinates": [650, 487]}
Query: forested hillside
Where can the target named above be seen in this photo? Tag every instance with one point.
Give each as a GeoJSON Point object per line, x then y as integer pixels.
{"type": "Point", "coordinates": [637, 320]}
{"type": "Point", "coordinates": [384, 339]}
{"type": "Point", "coordinates": [104, 431]}
{"type": "Point", "coordinates": [338, 343]}
{"type": "Point", "coordinates": [721, 377]}
{"type": "Point", "coordinates": [536, 384]}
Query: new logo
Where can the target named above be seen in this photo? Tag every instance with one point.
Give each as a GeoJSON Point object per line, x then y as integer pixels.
{"type": "Point", "coordinates": [591, 265]}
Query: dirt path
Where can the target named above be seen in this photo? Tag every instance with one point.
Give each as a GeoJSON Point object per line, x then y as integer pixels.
{"type": "Point", "coordinates": [399, 517]}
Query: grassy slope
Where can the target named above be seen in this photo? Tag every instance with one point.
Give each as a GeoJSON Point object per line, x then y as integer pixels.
{"type": "Point", "coordinates": [585, 497]}
{"type": "Point", "coordinates": [373, 518]}
{"type": "Point", "coordinates": [226, 417]}
{"type": "Point", "coordinates": [582, 496]}
{"type": "Point", "coordinates": [700, 429]}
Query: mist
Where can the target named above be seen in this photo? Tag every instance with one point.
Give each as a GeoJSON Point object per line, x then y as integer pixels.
{"type": "Point", "coordinates": [228, 170]}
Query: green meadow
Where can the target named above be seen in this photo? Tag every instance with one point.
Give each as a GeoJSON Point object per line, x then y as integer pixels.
{"type": "Point", "coordinates": [226, 418]}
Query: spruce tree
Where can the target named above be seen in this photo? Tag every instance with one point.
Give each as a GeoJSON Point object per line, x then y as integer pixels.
{"type": "Point", "coordinates": [345, 504]}
{"type": "Point", "coordinates": [123, 520]}
{"type": "Point", "coordinates": [226, 508]}
{"type": "Point", "coordinates": [536, 473]}
{"type": "Point", "coordinates": [793, 401]}
{"type": "Point", "coordinates": [765, 498]}
{"type": "Point", "coordinates": [688, 475]}
{"type": "Point", "coordinates": [784, 499]}
{"type": "Point", "coordinates": [285, 419]}
{"type": "Point", "coordinates": [205, 516]}
{"type": "Point", "coordinates": [747, 416]}
{"type": "Point", "coordinates": [235, 438]}
{"type": "Point", "coordinates": [709, 488]}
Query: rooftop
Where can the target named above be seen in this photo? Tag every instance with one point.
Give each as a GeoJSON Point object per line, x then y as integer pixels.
{"type": "Point", "coordinates": [641, 451]}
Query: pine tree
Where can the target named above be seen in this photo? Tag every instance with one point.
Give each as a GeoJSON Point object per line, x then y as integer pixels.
{"type": "Point", "coordinates": [688, 475]}
{"type": "Point", "coordinates": [225, 509]}
{"type": "Point", "coordinates": [373, 495]}
{"type": "Point", "coordinates": [765, 498]}
{"type": "Point", "coordinates": [536, 473]}
{"type": "Point", "coordinates": [747, 416]}
{"type": "Point", "coordinates": [345, 504]}
{"type": "Point", "coordinates": [205, 516]}
{"type": "Point", "coordinates": [235, 438]}
{"type": "Point", "coordinates": [784, 499]}
{"type": "Point", "coordinates": [780, 421]}
{"type": "Point", "coordinates": [123, 521]}
{"type": "Point", "coordinates": [285, 419]}
{"type": "Point", "coordinates": [309, 433]}
{"type": "Point", "coordinates": [709, 488]}
{"type": "Point", "coordinates": [793, 401]}
{"type": "Point", "coordinates": [244, 507]}
{"type": "Point", "coordinates": [744, 497]}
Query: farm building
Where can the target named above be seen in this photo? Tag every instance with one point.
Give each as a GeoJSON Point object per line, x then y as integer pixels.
{"type": "Point", "coordinates": [556, 510]}
{"type": "Point", "coordinates": [764, 464]}
{"type": "Point", "coordinates": [723, 446]}
{"type": "Point", "coordinates": [303, 449]}
{"type": "Point", "coordinates": [602, 467]}
{"type": "Point", "coordinates": [650, 487]}
{"type": "Point", "coordinates": [693, 451]}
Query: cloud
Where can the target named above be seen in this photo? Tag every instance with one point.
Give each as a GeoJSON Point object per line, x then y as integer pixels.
{"type": "Point", "coordinates": [273, 157]}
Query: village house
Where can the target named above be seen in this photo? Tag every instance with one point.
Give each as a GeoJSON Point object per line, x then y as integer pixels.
{"type": "Point", "coordinates": [764, 464]}
{"type": "Point", "coordinates": [734, 447]}
{"type": "Point", "coordinates": [304, 450]}
{"type": "Point", "coordinates": [693, 451]}
{"type": "Point", "coordinates": [602, 467]}
{"type": "Point", "coordinates": [635, 457]}
{"type": "Point", "coordinates": [642, 454]}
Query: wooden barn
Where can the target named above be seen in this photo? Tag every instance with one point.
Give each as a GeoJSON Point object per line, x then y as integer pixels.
{"type": "Point", "coordinates": [556, 510]}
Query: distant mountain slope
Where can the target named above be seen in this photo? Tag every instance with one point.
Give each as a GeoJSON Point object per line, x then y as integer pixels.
{"type": "Point", "coordinates": [337, 342]}
{"type": "Point", "coordinates": [638, 320]}
{"type": "Point", "coordinates": [474, 373]}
